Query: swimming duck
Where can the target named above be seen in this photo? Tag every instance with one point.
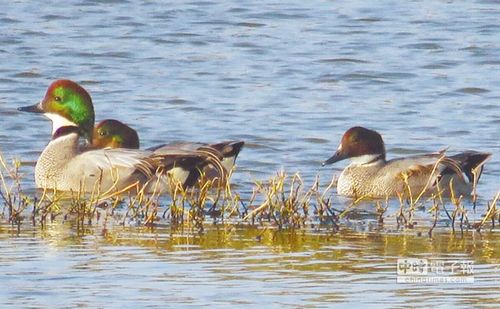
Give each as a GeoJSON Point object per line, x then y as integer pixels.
{"type": "Point", "coordinates": [111, 133]}
{"type": "Point", "coordinates": [370, 175]}
{"type": "Point", "coordinates": [64, 165]}
{"type": "Point", "coordinates": [115, 134]}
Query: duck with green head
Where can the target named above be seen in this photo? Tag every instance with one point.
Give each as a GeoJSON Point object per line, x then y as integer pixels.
{"type": "Point", "coordinates": [63, 165]}
{"type": "Point", "coordinates": [112, 133]}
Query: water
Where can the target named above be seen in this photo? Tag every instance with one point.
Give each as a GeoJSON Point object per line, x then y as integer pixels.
{"type": "Point", "coordinates": [228, 267]}
{"type": "Point", "coordinates": [289, 79]}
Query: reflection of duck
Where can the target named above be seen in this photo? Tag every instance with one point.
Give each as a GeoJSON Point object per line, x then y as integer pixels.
{"type": "Point", "coordinates": [64, 166]}
{"type": "Point", "coordinates": [115, 134]}
{"type": "Point", "coordinates": [371, 175]}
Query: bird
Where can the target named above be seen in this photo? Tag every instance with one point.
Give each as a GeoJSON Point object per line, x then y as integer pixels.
{"type": "Point", "coordinates": [65, 165]}
{"type": "Point", "coordinates": [112, 133]}
{"type": "Point", "coordinates": [371, 175]}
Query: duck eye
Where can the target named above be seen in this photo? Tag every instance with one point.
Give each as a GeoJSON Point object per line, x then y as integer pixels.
{"type": "Point", "coordinates": [58, 99]}
{"type": "Point", "coordinates": [102, 133]}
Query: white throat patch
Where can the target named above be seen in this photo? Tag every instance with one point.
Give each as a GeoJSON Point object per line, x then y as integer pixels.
{"type": "Point", "coordinates": [59, 121]}
{"type": "Point", "coordinates": [365, 159]}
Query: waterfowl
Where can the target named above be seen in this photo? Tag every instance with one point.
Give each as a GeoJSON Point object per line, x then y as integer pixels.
{"type": "Point", "coordinates": [370, 175]}
{"type": "Point", "coordinates": [115, 134]}
{"type": "Point", "coordinates": [64, 165]}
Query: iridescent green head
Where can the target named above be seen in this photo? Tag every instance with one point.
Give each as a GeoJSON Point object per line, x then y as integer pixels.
{"type": "Point", "coordinates": [67, 104]}
{"type": "Point", "coordinates": [114, 134]}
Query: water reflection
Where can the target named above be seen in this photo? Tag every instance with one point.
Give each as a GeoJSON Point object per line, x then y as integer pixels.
{"type": "Point", "coordinates": [233, 265]}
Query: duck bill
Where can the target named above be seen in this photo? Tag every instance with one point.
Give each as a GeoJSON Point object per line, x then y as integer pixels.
{"type": "Point", "coordinates": [36, 108]}
{"type": "Point", "coordinates": [338, 156]}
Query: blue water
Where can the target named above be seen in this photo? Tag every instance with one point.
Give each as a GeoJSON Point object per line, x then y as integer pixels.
{"type": "Point", "coordinates": [287, 77]}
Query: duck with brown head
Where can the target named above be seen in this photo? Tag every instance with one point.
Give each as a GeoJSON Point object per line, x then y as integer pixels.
{"type": "Point", "coordinates": [115, 134]}
{"type": "Point", "coordinates": [370, 175]}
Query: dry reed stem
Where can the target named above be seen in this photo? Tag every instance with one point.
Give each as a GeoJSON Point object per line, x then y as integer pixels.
{"type": "Point", "coordinates": [490, 214]}
{"type": "Point", "coordinates": [285, 202]}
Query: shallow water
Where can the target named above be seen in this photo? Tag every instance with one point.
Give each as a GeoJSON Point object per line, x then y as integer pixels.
{"type": "Point", "coordinates": [289, 79]}
{"type": "Point", "coordinates": [235, 266]}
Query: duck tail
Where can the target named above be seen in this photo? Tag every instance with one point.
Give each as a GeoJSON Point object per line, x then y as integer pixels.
{"type": "Point", "coordinates": [229, 149]}
{"type": "Point", "coordinates": [190, 163]}
{"type": "Point", "coordinates": [471, 162]}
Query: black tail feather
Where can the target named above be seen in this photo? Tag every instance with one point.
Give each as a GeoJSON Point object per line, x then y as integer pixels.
{"type": "Point", "coordinates": [471, 161]}
{"type": "Point", "coordinates": [229, 149]}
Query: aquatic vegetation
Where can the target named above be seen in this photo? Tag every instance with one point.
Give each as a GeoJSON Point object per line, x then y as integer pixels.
{"type": "Point", "coordinates": [11, 193]}
{"type": "Point", "coordinates": [283, 201]}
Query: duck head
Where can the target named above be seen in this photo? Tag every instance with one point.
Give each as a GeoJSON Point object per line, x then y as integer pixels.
{"type": "Point", "coordinates": [361, 145]}
{"type": "Point", "coordinates": [67, 104]}
{"type": "Point", "coordinates": [114, 134]}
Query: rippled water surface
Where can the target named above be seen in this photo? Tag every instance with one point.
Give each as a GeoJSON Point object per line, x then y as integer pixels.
{"type": "Point", "coordinates": [288, 78]}
{"type": "Point", "coordinates": [235, 267]}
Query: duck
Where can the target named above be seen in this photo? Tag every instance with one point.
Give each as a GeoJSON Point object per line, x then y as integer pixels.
{"type": "Point", "coordinates": [371, 175]}
{"type": "Point", "coordinates": [112, 133]}
{"type": "Point", "coordinates": [65, 165]}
